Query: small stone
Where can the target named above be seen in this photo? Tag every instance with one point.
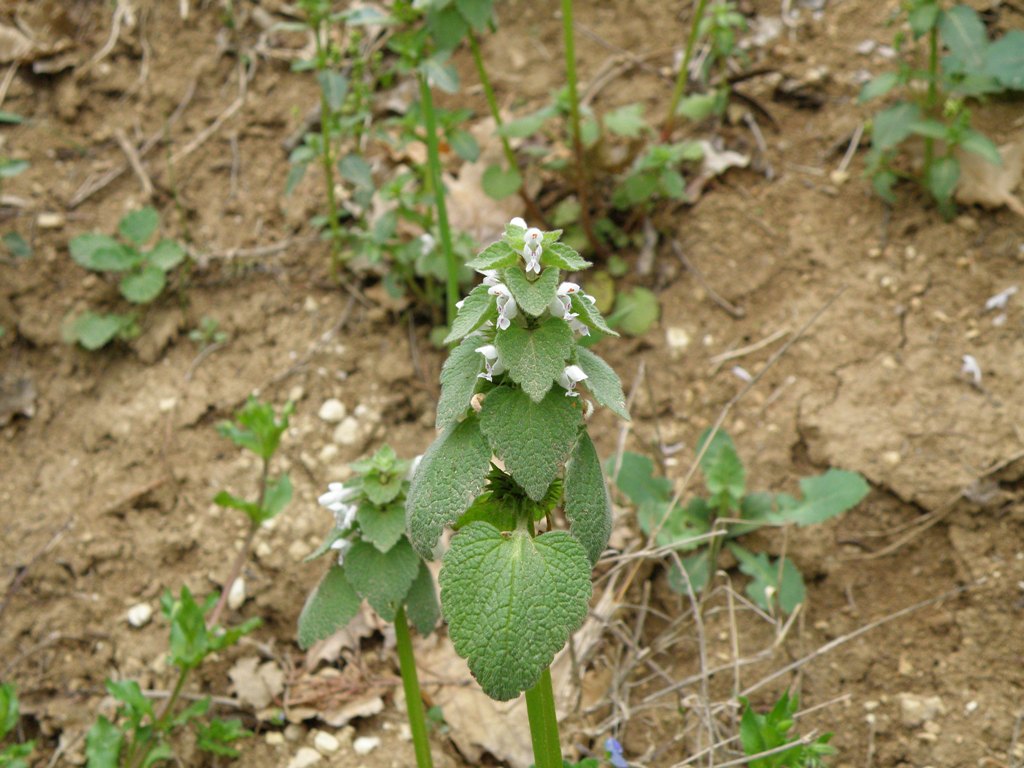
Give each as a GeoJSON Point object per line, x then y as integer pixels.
{"type": "Point", "coordinates": [305, 758]}
{"type": "Point", "coordinates": [167, 404]}
{"type": "Point", "coordinates": [296, 393]}
{"type": "Point", "coordinates": [50, 220]}
{"type": "Point", "coordinates": [677, 338]}
{"type": "Point", "coordinates": [915, 709]}
{"type": "Point", "coordinates": [274, 738]}
{"type": "Point", "coordinates": [967, 223]}
{"type": "Point", "coordinates": [140, 614]}
{"type": "Point", "coordinates": [838, 177]}
{"type": "Point", "coordinates": [332, 411]}
{"type": "Point", "coordinates": [297, 550]}
{"type": "Point", "coordinates": [310, 304]}
{"type": "Point", "coordinates": [347, 432]}
{"type": "Point", "coordinates": [326, 743]}
{"type": "Point", "coordinates": [294, 732]}
{"type": "Point", "coordinates": [364, 745]}
{"type": "Point", "coordinates": [236, 595]}
{"type": "Point", "coordinates": [892, 458]}
{"type": "Point", "coordinates": [328, 453]}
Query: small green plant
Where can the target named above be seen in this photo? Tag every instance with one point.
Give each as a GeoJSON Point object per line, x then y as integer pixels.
{"type": "Point", "coordinates": [13, 243]}
{"type": "Point", "coordinates": [143, 273]}
{"type": "Point", "coordinates": [207, 333]}
{"type": "Point", "coordinates": [962, 63]}
{"type": "Point", "coordinates": [729, 512]}
{"type": "Point", "coordinates": [13, 755]}
{"type": "Point", "coordinates": [764, 733]}
{"type": "Point", "coordinates": [139, 734]}
{"type": "Point", "coordinates": [512, 587]}
{"type": "Point", "coordinates": [374, 561]}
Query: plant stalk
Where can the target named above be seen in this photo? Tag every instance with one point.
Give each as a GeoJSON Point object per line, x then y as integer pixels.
{"type": "Point", "coordinates": [684, 70]}
{"type": "Point", "coordinates": [413, 698]}
{"type": "Point", "coordinates": [434, 169]}
{"type": "Point", "coordinates": [137, 757]}
{"type": "Point", "coordinates": [933, 92]}
{"type": "Point", "coordinates": [326, 154]}
{"type": "Point", "coordinates": [569, 44]}
{"type": "Point", "coordinates": [540, 709]}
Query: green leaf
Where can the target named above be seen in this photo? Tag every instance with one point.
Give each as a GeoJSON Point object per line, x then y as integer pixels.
{"type": "Point", "coordinates": [769, 581]}
{"type": "Point", "coordinates": [980, 144]}
{"type": "Point", "coordinates": [893, 125]}
{"type": "Point", "coordinates": [450, 475]}
{"type": "Point", "coordinates": [9, 709]}
{"type": "Point", "coordinates": [564, 257]}
{"type": "Point", "coordinates": [334, 86]}
{"type": "Point", "coordinates": [588, 507]}
{"type": "Point", "coordinates": [326, 545]}
{"type": "Point", "coordinates": [535, 358]}
{"type": "Point", "coordinates": [138, 226]}
{"type": "Point", "coordinates": [497, 255]}
{"type": "Point", "coordinates": [9, 168]}
{"type": "Point", "coordinates": [194, 710]}
{"type": "Point", "coordinates": [698, 106]}
{"type": "Point", "coordinates": [627, 121]}
{"type": "Point", "coordinates": [941, 177]}
{"type": "Point", "coordinates": [533, 439]}
{"type": "Point", "coordinates": [459, 379]}
{"type": "Point", "coordinates": [381, 492]}
{"type": "Point", "coordinates": [589, 314]}
{"type": "Point", "coordinates": [93, 331]}
{"type": "Point", "coordinates": [602, 382]}
{"type": "Point", "coordinates": [526, 126]}
{"type": "Point", "coordinates": [421, 602]}
{"type": "Point", "coordinates": [824, 497]}
{"type": "Point", "coordinates": [329, 607]}
{"type": "Point", "coordinates": [16, 245]}
{"type": "Point", "coordinates": [532, 297]}
{"type": "Point", "coordinates": [930, 128]}
{"type": "Point", "coordinates": [1004, 60]}
{"type": "Point", "coordinates": [477, 308]}
{"type": "Point", "coordinates": [724, 474]}
{"type": "Point", "coordinates": [382, 578]}
{"type": "Point", "coordinates": [447, 27]}
{"type": "Point", "coordinates": [354, 169]}
{"type": "Point", "coordinates": [101, 253]}
{"type": "Point", "coordinates": [697, 568]}
{"type": "Point", "coordinates": [499, 182]}
{"type": "Point", "coordinates": [167, 254]}
{"type": "Point", "coordinates": [258, 429]}
{"type": "Point", "coordinates": [464, 145]}
{"type": "Point", "coordinates": [103, 744]}
{"type": "Point", "coordinates": [511, 602]}
{"type": "Point", "coordinates": [923, 17]}
{"type": "Point", "coordinates": [129, 693]}
{"type": "Point", "coordinates": [681, 526]}
{"type": "Point", "coordinates": [143, 286]}
{"type": "Point", "coordinates": [636, 479]}
{"type": "Point", "coordinates": [11, 118]}
{"type": "Point", "coordinates": [879, 86]}
{"type": "Point", "coordinates": [440, 74]}
{"type": "Point", "coordinates": [217, 736]}
{"type": "Point", "coordinates": [883, 183]}
{"type": "Point", "coordinates": [189, 638]}
{"type": "Point", "coordinates": [381, 526]}
{"type": "Point", "coordinates": [276, 498]}
{"type": "Point", "coordinates": [635, 311]}
{"type": "Point", "coordinates": [964, 34]}
{"type": "Point", "coordinates": [477, 12]}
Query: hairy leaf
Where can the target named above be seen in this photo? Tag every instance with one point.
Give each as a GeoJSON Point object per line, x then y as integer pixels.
{"type": "Point", "coordinates": [143, 286]}
{"type": "Point", "coordinates": [590, 315]}
{"type": "Point", "coordinates": [381, 526]}
{"type": "Point", "coordinates": [477, 308]}
{"type": "Point", "coordinates": [532, 297]}
{"type": "Point", "coordinates": [421, 602]}
{"type": "Point", "coordinates": [533, 439]}
{"type": "Point", "coordinates": [459, 381]}
{"type": "Point", "coordinates": [382, 488]}
{"type": "Point", "coordinates": [138, 226]}
{"type": "Point", "coordinates": [535, 358]}
{"type": "Point", "coordinates": [564, 257]}
{"type": "Point", "coordinates": [382, 578]}
{"type": "Point", "coordinates": [602, 382]}
{"type": "Point", "coordinates": [450, 475]}
{"type": "Point", "coordinates": [495, 256]}
{"type": "Point", "coordinates": [329, 607]}
{"type": "Point", "coordinates": [588, 507]}
{"type": "Point", "coordinates": [511, 602]}
{"type": "Point", "coordinates": [724, 474]}
{"type": "Point", "coordinates": [964, 34]}
{"type": "Point", "coordinates": [770, 579]}
{"type": "Point", "coordinates": [824, 496]}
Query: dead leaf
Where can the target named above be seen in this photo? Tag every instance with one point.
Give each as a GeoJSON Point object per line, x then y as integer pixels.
{"type": "Point", "coordinates": [714, 163]}
{"type": "Point", "coordinates": [256, 685]}
{"type": "Point", "coordinates": [17, 398]}
{"type": "Point", "coordinates": [991, 186]}
{"type": "Point", "coordinates": [365, 624]}
{"type": "Point", "coordinates": [364, 706]}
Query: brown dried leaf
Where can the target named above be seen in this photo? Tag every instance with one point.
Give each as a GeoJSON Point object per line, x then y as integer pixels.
{"type": "Point", "coordinates": [256, 685]}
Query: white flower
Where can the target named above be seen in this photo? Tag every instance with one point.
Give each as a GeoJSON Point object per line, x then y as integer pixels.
{"type": "Point", "coordinates": [337, 500]}
{"type": "Point", "coordinates": [579, 327]}
{"type": "Point", "coordinates": [507, 308]}
{"type": "Point", "coordinates": [492, 363]}
{"type": "Point", "coordinates": [341, 546]}
{"type": "Point", "coordinates": [427, 243]}
{"type": "Point", "coordinates": [491, 277]}
{"type": "Point", "coordinates": [562, 303]}
{"type": "Point", "coordinates": [459, 303]}
{"type": "Point", "coordinates": [532, 250]}
{"type": "Point", "coordinates": [570, 377]}
{"type": "Point", "coordinates": [517, 222]}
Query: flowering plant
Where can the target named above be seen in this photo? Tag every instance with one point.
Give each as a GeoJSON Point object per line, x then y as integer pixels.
{"type": "Point", "coordinates": [513, 450]}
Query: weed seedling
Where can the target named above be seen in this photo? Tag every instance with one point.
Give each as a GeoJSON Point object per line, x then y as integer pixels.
{"type": "Point", "coordinates": [513, 588]}
{"type": "Point", "coordinates": [375, 562]}
{"type": "Point", "coordinates": [727, 513]}
{"type": "Point", "coordinates": [207, 333]}
{"type": "Point", "coordinates": [769, 732]}
{"type": "Point", "coordinates": [139, 735]}
{"type": "Point", "coordinates": [13, 755]}
{"type": "Point", "coordinates": [143, 273]}
{"type": "Point", "coordinates": [962, 63]}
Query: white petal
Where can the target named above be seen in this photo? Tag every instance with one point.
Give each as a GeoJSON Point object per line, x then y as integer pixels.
{"type": "Point", "coordinates": [567, 289]}
{"type": "Point", "coordinates": [534, 236]}
{"type": "Point", "coordinates": [517, 222]}
{"type": "Point", "coordinates": [498, 289]}
{"type": "Point", "coordinates": [489, 351]}
{"type": "Point", "coordinates": [574, 373]}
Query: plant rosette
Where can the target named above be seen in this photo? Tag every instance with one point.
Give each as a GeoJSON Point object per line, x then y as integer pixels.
{"type": "Point", "coordinates": [513, 450]}
{"type": "Point", "coordinates": [373, 558]}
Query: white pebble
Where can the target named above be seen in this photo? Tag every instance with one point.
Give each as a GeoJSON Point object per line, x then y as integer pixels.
{"type": "Point", "coordinates": [326, 743]}
{"type": "Point", "coordinates": [347, 432]}
{"type": "Point", "coordinates": [364, 745]}
{"type": "Point", "coordinates": [274, 738]}
{"type": "Point", "coordinates": [49, 220]}
{"type": "Point", "coordinates": [140, 614]}
{"type": "Point", "coordinates": [677, 338]}
{"type": "Point", "coordinates": [332, 411]}
{"type": "Point", "coordinates": [236, 595]}
{"type": "Point", "coordinates": [305, 758]}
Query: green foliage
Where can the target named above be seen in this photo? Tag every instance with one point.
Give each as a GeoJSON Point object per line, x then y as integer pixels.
{"type": "Point", "coordinates": [731, 509]}
{"type": "Point", "coordinates": [588, 507]}
{"type": "Point", "coordinates": [934, 108]}
{"type": "Point", "coordinates": [763, 733]}
{"type": "Point", "coordinates": [13, 755]}
{"type": "Point", "coordinates": [207, 333]}
{"type": "Point", "coordinates": [512, 601]}
{"type": "Point", "coordinates": [143, 273]}
{"type": "Point", "coordinates": [375, 560]}
{"type": "Point", "coordinates": [535, 357]}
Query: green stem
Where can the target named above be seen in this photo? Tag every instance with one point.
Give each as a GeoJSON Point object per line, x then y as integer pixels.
{"type": "Point", "coordinates": [540, 709]}
{"type": "Point", "coordinates": [434, 168]}
{"type": "Point", "coordinates": [569, 43]}
{"type": "Point", "coordinates": [933, 92]}
{"type": "Point", "coordinates": [492, 101]}
{"type": "Point", "coordinates": [684, 70]}
{"type": "Point", "coordinates": [326, 154]}
{"type": "Point", "coordinates": [411, 684]}
{"type": "Point", "coordinates": [138, 757]}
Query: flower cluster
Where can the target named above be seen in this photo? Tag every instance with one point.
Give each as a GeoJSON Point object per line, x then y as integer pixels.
{"type": "Point", "coordinates": [338, 499]}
